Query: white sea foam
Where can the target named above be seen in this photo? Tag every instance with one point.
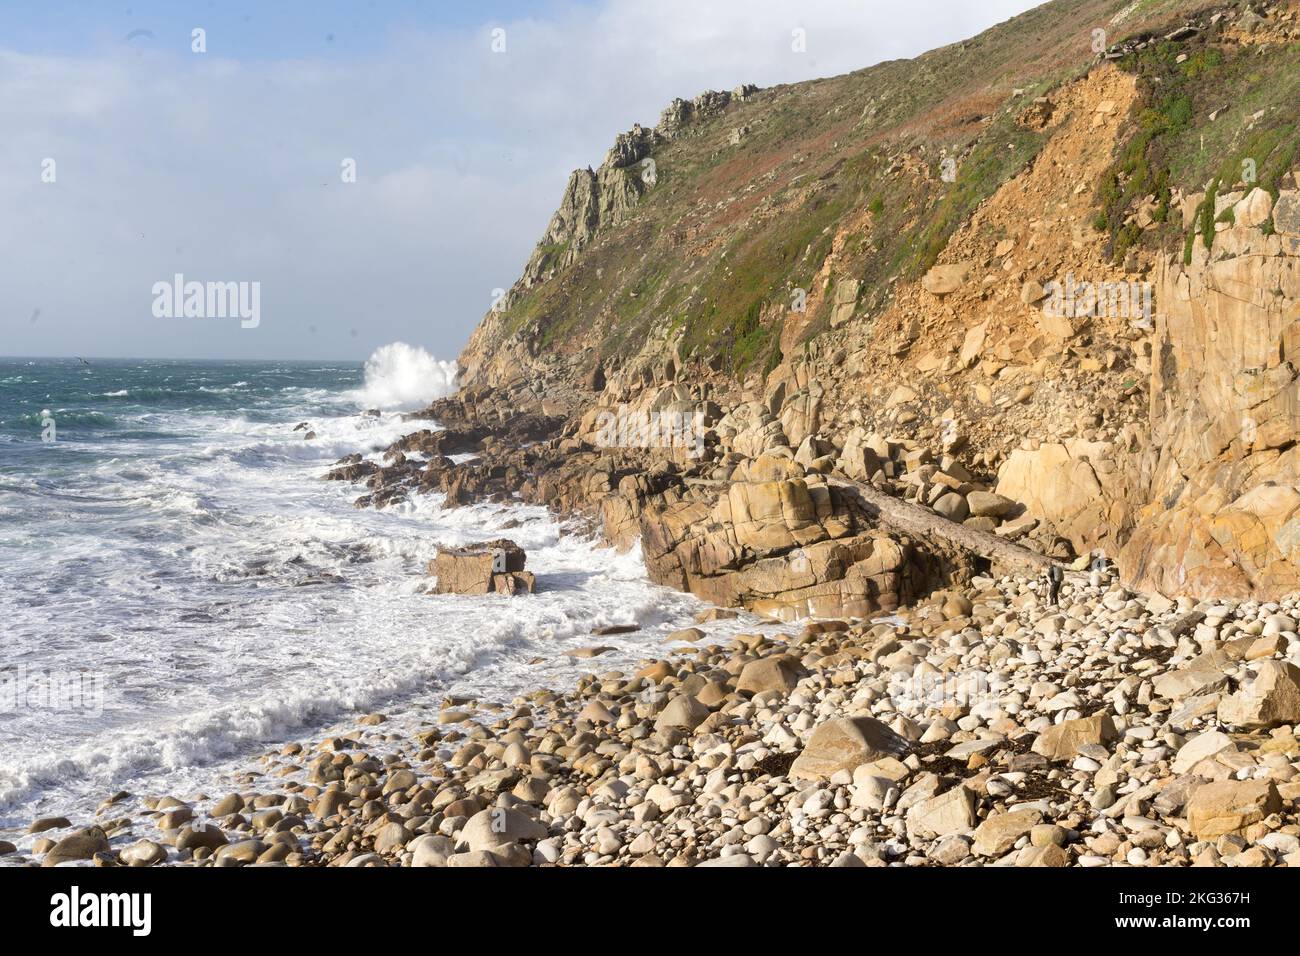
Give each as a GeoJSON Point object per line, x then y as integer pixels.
{"type": "Point", "coordinates": [231, 600]}
{"type": "Point", "coordinates": [401, 376]}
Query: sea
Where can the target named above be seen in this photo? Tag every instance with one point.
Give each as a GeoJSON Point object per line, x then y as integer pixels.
{"type": "Point", "coordinates": [181, 591]}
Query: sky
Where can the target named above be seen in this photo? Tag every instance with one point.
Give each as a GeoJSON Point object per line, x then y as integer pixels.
{"type": "Point", "coordinates": [363, 172]}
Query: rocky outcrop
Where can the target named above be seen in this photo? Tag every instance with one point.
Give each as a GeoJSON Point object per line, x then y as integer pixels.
{"type": "Point", "coordinates": [781, 546]}
{"type": "Point", "coordinates": [680, 113]}
{"type": "Point", "coordinates": [491, 567]}
{"type": "Point", "coordinates": [593, 200]}
{"type": "Point", "coordinates": [1223, 470]}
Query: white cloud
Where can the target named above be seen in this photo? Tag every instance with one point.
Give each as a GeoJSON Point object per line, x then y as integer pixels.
{"type": "Point", "coordinates": [224, 169]}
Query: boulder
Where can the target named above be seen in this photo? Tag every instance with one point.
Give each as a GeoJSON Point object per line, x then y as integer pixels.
{"type": "Point", "coordinates": [482, 569]}
{"type": "Point", "coordinates": [202, 835]}
{"type": "Point", "coordinates": [1062, 741]}
{"type": "Point", "coordinates": [1230, 806]}
{"type": "Point", "coordinates": [1202, 675]}
{"type": "Point", "coordinates": [845, 743]}
{"type": "Point", "coordinates": [430, 850]}
{"type": "Point", "coordinates": [1270, 699]}
{"type": "Point", "coordinates": [945, 279]}
{"type": "Point", "coordinates": [778, 673]}
{"type": "Point", "coordinates": [999, 833]}
{"type": "Point", "coordinates": [952, 506]}
{"type": "Point", "coordinates": [81, 845]}
{"type": "Point", "coordinates": [949, 813]}
{"type": "Point", "coordinates": [143, 853]}
{"type": "Point", "coordinates": [498, 826]}
{"type": "Point", "coordinates": [682, 711]}
{"type": "Point", "coordinates": [1201, 747]}
{"type": "Point", "coordinates": [987, 504]}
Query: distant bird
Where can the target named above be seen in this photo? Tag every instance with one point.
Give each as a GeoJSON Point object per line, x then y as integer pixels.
{"type": "Point", "coordinates": [82, 361]}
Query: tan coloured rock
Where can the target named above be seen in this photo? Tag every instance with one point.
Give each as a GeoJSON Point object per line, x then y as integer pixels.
{"type": "Point", "coordinates": [1229, 806]}
{"type": "Point", "coordinates": [845, 743]}
{"type": "Point", "coordinates": [1062, 741]}
{"type": "Point", "coordinates": [481, 568]}
{"type": "Point", "coordinates": [777, 672]}
{"type": "Point", "coordinates": [497, 826]}
{"type": "Point", "coordinates": [682, 711]}
{"type": "Point", "coordinates": [1269, 699]}
{"type": "Point", "coordinates": [999, 832]}
{"type": "Point", "coordinates": [946, 279]}
{"type": "Point", "coordinates": [988, 504]}
{"type": "Point", "coordinates": [949, 813]}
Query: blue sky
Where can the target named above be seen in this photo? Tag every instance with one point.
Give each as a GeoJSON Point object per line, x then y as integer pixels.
{"type": "Point", "coordinates": [270, 29]}
{"type": "Point", "coordinates": [126, 158]}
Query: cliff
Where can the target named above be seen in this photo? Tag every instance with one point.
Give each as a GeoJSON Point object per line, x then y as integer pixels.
{"type": "Point", "coordinates": [1055, 263]}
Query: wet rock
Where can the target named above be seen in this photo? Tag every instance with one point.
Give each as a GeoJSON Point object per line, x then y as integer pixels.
{"type": "Point", "coordinates": [144, 853]}
{"type": "Point", "coordinates": [482, 569]}
{"type": "Point", "coordinates": [81, 845]}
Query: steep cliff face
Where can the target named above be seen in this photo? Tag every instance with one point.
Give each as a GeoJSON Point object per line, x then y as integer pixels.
{"type": "Point", "coordinates": [1224, 518]}
{"type": "Point", "coordinates": [1011, 265]}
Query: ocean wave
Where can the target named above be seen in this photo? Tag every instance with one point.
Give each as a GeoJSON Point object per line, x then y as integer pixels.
{"type": "Point", "coordinates": [401, 376]}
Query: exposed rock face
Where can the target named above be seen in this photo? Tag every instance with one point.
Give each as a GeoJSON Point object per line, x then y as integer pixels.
{"type": "Point", "coordinates": [1224, 467]}
{"type": "Point", "coordinates": [487, 568]}
{"type": "Point", "coordinates": [592, 201]}
{"type": "Point", "coordinates": [785, 548]}
{"type": "Point", "coordinates": [1017, 369]}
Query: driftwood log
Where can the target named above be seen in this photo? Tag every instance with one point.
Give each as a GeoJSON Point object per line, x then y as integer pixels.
{"type": "Point", "coordinates": [921, 523]}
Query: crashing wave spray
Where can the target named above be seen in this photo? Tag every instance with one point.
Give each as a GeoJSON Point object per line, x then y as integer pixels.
{"type": "Point", "coordinates": [401, 376]}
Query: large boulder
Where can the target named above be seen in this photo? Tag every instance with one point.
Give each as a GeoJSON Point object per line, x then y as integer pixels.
{"type": "Point", "coordinates": [845, 743]}
{"type": "Point", "coordinates": [949, 813]}
{"type": "Point", "coordinates": [486, 568]}
{"type": "Point", "coordinates": [684, 712]}
{"type": "Point", "coordinates": [1269, 699]}
{"type": "Point", "coordinates": [1062, 741]}
{"type": "Point", "coordinates": [500, 826]}
{"type": "Point", "coordinates": [81, 845]}
{"type": "Point", "coordinates": [778, 672]}
{"type": "Point", "coordinates": [999, 833]}
{"type": "Point", "coordinates": [1230, 806]}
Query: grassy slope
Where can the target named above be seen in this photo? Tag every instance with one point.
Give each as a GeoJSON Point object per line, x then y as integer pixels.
{"type": "Point", "coordinates": [718, 245]}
